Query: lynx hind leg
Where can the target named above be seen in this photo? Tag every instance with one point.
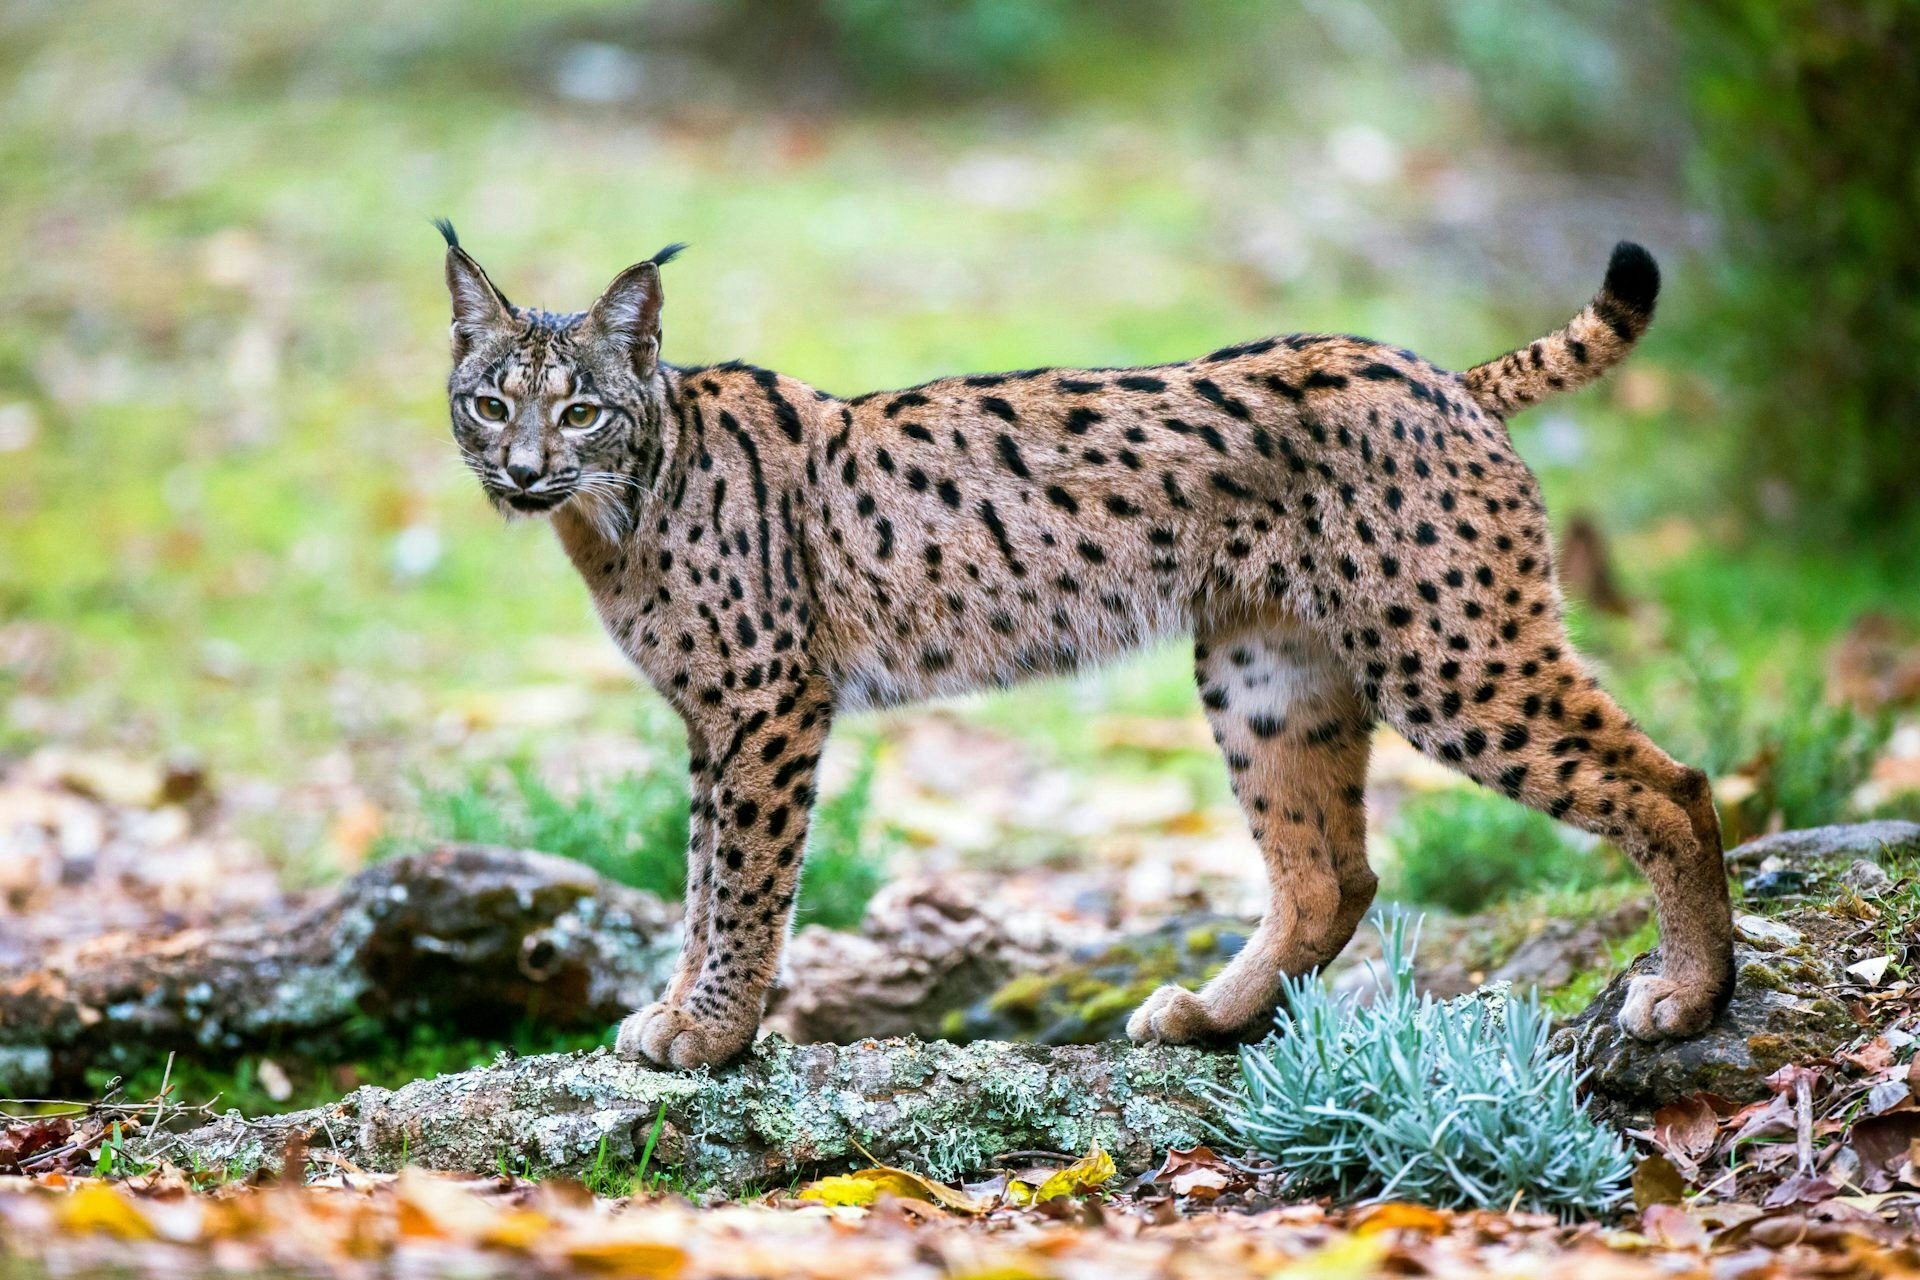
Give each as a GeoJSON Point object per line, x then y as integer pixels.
{"type": "Point", "coordinates": [1295, 733]}
{"type": "Point", "coordinates": [1529, 722]}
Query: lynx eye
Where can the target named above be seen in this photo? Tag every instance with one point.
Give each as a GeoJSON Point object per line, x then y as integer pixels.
{"type": "Point", "coordinates": [491, 408]}
{"type": "Point", "coordinates": [579, 416]}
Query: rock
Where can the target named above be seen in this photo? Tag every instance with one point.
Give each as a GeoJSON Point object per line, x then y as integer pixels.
{"type": "Point", "coordinates": [1868, 879]}
{"type": "Point", "coordinates": [1818, 848]}
{"type": "Point", "coordinates": [781, 1112]}
{"type": "Point", "coordinates": [1780, 1013]}
{"type": "Point", "coordinates": [1086, 997]}
{"type": "Point", "coordinates": [1765, 933]}
{"type": "Point", "coordinates": [1773, 883]}
{"type": "Point", "coordinates": [922, 953]}
{"type": "Point", "coordinates": [1563, 948]}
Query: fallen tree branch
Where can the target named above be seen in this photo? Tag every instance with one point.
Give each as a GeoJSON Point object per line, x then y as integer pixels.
{"type": "Point", "coordinates": [485, 937]}
{"type": "Point", "coordinates": [462, 933]}
{"type": "Point", "coordinates": [783, 1111]}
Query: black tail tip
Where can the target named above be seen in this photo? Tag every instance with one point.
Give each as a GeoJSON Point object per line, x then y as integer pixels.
{"type": "Point", "coordinates": [445, 228]}
{"type": "Point", "coordinates": [1633, 277]}
{"type": "Point", "coordinates": [668, 254]}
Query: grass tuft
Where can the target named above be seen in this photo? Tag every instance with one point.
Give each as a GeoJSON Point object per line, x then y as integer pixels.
{"type": "Point", "coordinates": [633, 830]}
{"type": "Point", "coordinates": [1462, 850]}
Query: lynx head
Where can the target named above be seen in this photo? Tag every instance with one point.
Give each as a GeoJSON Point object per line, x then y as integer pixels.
{"type": "Point", "coordinates": [550, 409]}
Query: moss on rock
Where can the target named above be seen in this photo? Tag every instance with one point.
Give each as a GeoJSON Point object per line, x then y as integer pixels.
{"type": "Point", "coordinates": [1087, 998]}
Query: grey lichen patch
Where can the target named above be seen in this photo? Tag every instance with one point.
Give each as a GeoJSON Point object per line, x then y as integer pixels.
{"type": "Point", "coordinates": [784, 1111]}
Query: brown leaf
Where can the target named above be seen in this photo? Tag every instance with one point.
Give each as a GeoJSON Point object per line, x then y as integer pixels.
{"type": "Point", "coordinates": [1197, 1172]}
{"type": "Point", "coordinates": [1764, 1119]}
{"type": "Point", "coordinates": [1801, 1188]}
{"type": "Point", "coordinates": [1657, 1181]}
{"type": "Point", "coordinates": [1876, 663]}
{"type": "Point", "coordinates": [1875, 1055]}
{"type": "Point", "coordinates": [1882, 1143]}
{"type": "Point", "coordinates": [1687, 1128]}
{"type": "Point", "coordinates": [26, 1138]}
{"type": "Point", "coordinates": [1671, 1227]}
{"type": "Point", "coordinates": [1787, 1078]}
{"type": "Point", "coordinates": [1586, 570]}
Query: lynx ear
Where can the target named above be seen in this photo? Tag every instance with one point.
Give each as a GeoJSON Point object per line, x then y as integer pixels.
{"type": "Point", "coordinates": [627, 316]}
{"type": "Point", "coordinates": [478, 307]}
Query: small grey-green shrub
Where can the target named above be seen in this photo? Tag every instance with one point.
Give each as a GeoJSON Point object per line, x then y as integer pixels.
{"type": "Point", "coordinates": [1453, 1104]}
{"type": "Point", "coordinates": [1463, 849]}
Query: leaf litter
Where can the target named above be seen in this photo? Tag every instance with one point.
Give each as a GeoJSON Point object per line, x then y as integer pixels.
{"type": "Point", "coordinates": [1076, 1219]}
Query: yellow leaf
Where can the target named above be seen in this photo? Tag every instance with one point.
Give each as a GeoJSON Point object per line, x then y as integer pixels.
{"type": "Point", "coordinates": [841, 1189]}
{"type": "Point", "coordinates": [630, 1257]}
{"type": "Point", "coordinates": [864, 1186]}
{"type": "Point", "coordinates": [98, 1207]}
{"type": "Point", "coordinates": [518, 1229]}
{"type": "Point", "coordinates": [1002, 1271]}
{"type": "Point", "coordinates": [1396, 1216]}
{"type": "Point", "coordinates": [1088, 1173]}
{"type": "Point", "coordinates": [1018, 1192]}
{"type": "Point", "coordinates": [1350, 1258]}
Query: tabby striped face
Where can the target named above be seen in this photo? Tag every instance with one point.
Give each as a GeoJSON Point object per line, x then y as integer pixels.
{"type": "Point", "coordinates": [550, 408]}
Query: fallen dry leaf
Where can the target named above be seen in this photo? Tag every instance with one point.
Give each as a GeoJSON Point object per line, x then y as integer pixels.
{"type": "Point", "coordinates": [98, 1207]}
{"type": "Point", "coordinates": [1672, 1227]}
{"type": "Point", "coordinates": [1687, 1129]}
{"type": "Point", "coordinates": [1197, 1172]}
{"type": "Point", "coordinates": [864, 1186]}
{"type": "Point", "coordinates": [431, 1225]}
{"type": "Point", "coordinates": [1089, 1173]}
{"type": "Point", "coordinates": [1657, 1181]}
{"type": "Point", "coordinates": [1396, 1216]}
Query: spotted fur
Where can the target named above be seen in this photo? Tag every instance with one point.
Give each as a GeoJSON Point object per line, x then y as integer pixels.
{"type": "Point", "coordinates": [1345, 529]}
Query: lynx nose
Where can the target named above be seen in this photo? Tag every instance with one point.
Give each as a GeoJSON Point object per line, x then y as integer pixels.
{"type": "Point", "coordinates": [523, 473]}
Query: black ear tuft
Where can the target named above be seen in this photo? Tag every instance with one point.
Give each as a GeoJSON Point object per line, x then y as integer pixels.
{"type": "Point", "coordinates": [1633, 278]}
{"type": "Point", "coordinates": [668, 254]}
{"type": "Point", "coordinates": [446, 229]}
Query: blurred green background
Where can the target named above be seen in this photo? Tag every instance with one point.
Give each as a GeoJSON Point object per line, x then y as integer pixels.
{"type": "Point", "coordinates": [232, 525]}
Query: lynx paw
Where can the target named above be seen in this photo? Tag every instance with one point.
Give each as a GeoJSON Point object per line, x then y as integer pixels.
{"type": "Point", "coordinates": [1662, 1009]}
{"type": "Point", "coordinates": [669, 1036]}
{"type": "Point", "coordinates": [1172, 1015]}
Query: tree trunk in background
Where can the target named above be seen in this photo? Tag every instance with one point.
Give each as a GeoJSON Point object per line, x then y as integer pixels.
{"type": "Point", "coordinates": [1798, 108]}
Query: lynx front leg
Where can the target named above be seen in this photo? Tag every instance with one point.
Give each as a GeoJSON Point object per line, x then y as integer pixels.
{"type": "Point", "coordinates": [701, 819]}
{"type": "Point", "coordinates": [761, 795]}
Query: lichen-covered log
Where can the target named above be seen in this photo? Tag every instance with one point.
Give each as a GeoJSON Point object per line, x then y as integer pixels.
{"type": "Point", "coordinates": [487, 937]}
{"type": "Point", "coordinates": [461, 933]}
{"type": "Point", "coordinates": [781, 1112]}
